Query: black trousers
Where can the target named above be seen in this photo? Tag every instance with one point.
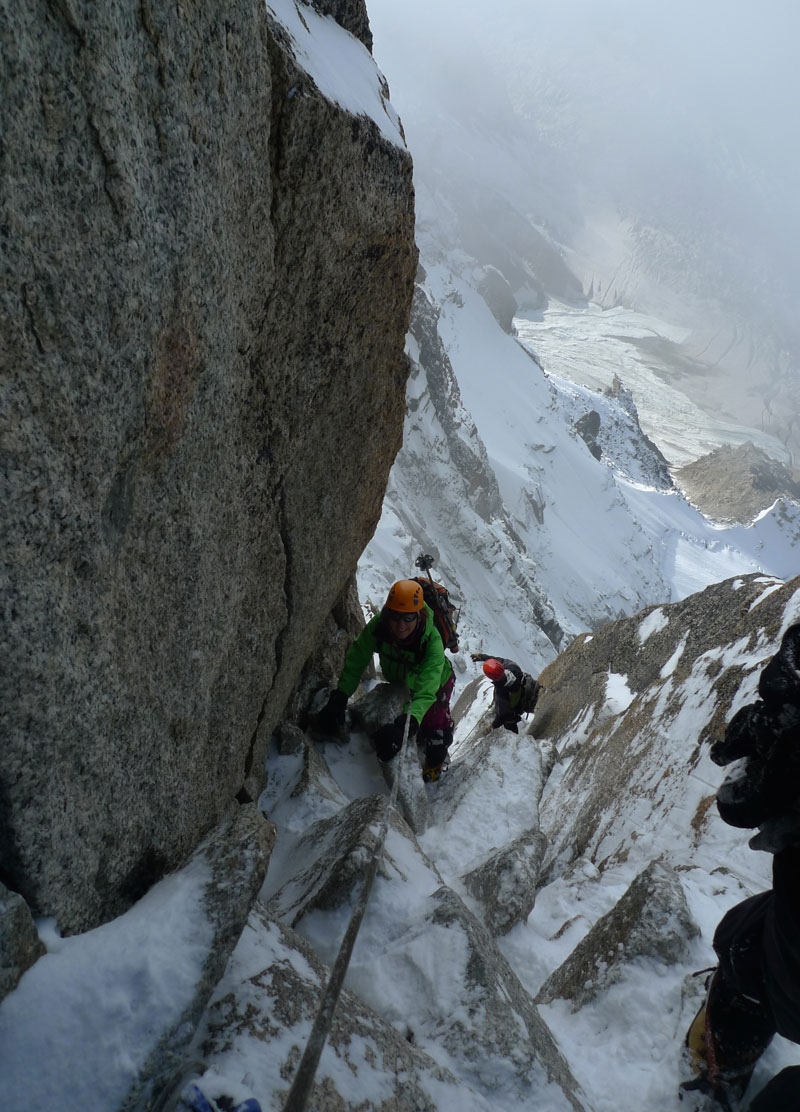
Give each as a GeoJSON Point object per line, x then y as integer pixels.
{"type": "Point", "coordinates": [756, 989]}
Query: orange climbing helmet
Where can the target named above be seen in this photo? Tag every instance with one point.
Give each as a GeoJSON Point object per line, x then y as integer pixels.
{"type": "Point", "coordinates": [494, 670]}
{"type": "Point", "coordinates": [405, 597]}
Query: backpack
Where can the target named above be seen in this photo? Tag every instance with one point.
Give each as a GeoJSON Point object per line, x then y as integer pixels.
{"type": "Point", "coordinates": [529, 695]}
{"type": "Point", "coordinates": [444, 613]}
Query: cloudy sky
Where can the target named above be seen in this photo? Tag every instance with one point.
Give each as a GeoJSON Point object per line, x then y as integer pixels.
{"type": "Point", "coordinates": [679, 117]}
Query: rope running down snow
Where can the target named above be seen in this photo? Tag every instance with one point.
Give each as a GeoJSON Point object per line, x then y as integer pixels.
{"type": "Point", "coordinates": [306, 1071]}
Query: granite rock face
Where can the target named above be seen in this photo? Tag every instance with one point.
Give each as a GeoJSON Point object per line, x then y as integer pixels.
{"type": "Point", "coordinates": [207, 275]}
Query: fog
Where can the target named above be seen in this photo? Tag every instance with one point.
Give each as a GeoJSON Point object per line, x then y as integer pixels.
{"type": "Point", "coordinates": [656, 145]}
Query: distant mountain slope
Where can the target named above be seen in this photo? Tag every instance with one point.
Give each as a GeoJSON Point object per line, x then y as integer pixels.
{"type": "Point", "coordinates": [736, 484]}
{"type": "Point", "coordinates": [538, 538]}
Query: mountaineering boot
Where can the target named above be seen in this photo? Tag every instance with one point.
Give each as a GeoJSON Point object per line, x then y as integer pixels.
{"type": "Point", "coordinates": [431, 775]}
{"type": "Point", "coordinates": [724, 1041]}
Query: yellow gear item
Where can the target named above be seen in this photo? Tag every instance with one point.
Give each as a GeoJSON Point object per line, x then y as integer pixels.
{"type": "Point", "coordinates": [696, 1042]}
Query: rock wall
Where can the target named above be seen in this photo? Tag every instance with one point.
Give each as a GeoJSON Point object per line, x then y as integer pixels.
{"type": "Point", "coordinates": [207, 274]}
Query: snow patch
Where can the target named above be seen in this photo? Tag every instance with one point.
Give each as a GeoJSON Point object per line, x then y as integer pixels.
{"type": "Point", "coordinates": [672, 663]}
{"type": "Point", "coordinates": [618, 695]}
{"type": "Point", "coordinates": [654, 621]}
{"type": "Point", "coordinates": [85, 1017]}
{"type": "Point", "coordinates": [341, 66]}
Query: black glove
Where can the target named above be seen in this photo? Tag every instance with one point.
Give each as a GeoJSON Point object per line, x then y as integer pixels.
{"type": "Point", "coordinates": [331, 717]}
{"type": "Point", "coordinates": [750, 732]}
{"type": "Point", "coordinates": [388, 739]}
{"type": "Point", "coordinates": [478, 656]}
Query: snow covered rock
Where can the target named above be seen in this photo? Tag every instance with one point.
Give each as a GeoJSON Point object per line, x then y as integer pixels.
{"type": "Point", "coordinates": [209, 248]}
{"type": "Point", "coordinates": [506, 883]}
{"type": "Point", "coordinates": [412, 799]}
{"type": "Point", "coordinates": [334, 852]}
{"type": "Point", "coordinates": [651, 920]}
{"type": "Point", "coordinates": [377, 707]}
{"type": "Point", "coordinates": [381, 705]}
{"type": "Point", "coordinates": [260, 1018]}
{"type": "Point", "coordinates": [20, 945]}
{"type": "Point", "coordinates": [350, 14]}
{"type": "Point", "coordinates": [486, 1021]}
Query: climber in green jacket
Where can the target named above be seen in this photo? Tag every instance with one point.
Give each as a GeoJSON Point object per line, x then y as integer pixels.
{"type": "Point", "coordinates": [410, 651]}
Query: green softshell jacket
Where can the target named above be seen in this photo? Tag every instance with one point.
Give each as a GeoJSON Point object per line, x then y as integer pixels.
{"type": "Point", "coordinates": [423, 669]}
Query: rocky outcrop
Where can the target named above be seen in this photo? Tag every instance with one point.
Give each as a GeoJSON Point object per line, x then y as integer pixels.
{"type": "Point", "coordinates": [497, 293]}
{"type": "Point", "coordinates": [587, 427]}
{"type": "Point", "coordinates": [350, 14]}
{"type": "Point", "coordinates": [208, 268]}
{"type": "Point", "coordinates": [651, 920]}
{"type": "Point", "coordinates": [736, 484]}
{"type": "Point", "coordinates": [20, 945]}
{"type": "Point", "coordinates": [633, 708]}
{"type": "Point", "coordinates": [624, 443]}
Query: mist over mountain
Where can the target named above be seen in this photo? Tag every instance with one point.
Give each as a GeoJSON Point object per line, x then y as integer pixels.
{"type": "Point", "coordinates": [639, 156]}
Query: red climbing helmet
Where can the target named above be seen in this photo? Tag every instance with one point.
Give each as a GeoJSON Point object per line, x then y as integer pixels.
{"type": "Point", "coordinates": [494, 670]}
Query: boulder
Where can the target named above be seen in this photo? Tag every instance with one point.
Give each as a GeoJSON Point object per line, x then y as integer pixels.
{"type": "Point", "coordinates": [651, 920]}
{"type": "Point", "coordinates": [506, 882]}
{"type": "Point", "coordinates": [20, 945]}
{"type": "Point", "coordinates": [192, 468]}
{"type": "Point", "coordinates": [373, 709]}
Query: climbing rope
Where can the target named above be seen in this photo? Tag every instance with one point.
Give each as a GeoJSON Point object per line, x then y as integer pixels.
{"type": "Point", "coordinates": [306, 1071]}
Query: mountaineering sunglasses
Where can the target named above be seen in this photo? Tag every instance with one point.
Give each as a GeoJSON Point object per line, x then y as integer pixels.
{"type": "Point", "coordinates": [396, 616]}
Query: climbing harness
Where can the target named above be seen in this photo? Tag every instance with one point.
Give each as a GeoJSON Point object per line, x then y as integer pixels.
{"type": "Point", "coordinates": [306, 1071]}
